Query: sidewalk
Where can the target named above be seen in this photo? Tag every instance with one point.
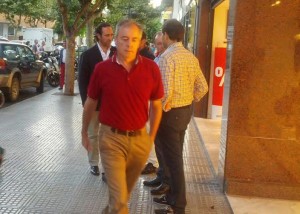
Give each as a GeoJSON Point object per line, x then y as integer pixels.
{"type": "Point", "coordinates": [46, 168]}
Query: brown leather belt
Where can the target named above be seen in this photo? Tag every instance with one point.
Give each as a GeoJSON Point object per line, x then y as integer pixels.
{"type": "Point", "coordinates": [129, 133]}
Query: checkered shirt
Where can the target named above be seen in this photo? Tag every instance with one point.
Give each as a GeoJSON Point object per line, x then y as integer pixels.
{"type": "Point", "coordinates": [182, 77]}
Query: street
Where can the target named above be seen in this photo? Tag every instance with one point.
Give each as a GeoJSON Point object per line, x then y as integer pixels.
{"type": "Point", "coordinates": [27, 93]}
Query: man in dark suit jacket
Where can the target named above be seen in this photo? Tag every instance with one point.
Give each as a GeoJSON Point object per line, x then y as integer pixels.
{"type": "Point", "coordinates": [144, 49]}
{"type": "Point", "coordinates": [101, 51]}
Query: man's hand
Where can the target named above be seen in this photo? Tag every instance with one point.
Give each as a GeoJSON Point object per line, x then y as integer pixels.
{"type": "Point", "coordinates": [86, 141]}
{"type": "Point", "coordinates": [167, 107]}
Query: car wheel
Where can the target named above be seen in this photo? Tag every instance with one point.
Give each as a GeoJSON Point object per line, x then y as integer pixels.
{"type": "Point", "coordinates": [15, 89]}
{"type": "Point", "coordinates": [40, 89]}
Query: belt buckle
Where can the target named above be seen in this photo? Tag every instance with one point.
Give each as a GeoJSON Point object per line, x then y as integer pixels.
{"type": "Point", "coordinates": [131, 133]}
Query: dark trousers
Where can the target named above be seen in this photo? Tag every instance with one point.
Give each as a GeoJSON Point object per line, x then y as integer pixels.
{"type": "Point", "coordinates": [171, 138]}
{"type": "Point", "coordinates": [162, 172]}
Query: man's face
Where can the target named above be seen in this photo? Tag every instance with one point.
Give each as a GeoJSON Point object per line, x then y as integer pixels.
{"type": "Point", "coordinates": [107, 36]}
{"type": "Point", "coordinates": [128, 41]}
{"type": "Point", "coordinates": [159, 43]}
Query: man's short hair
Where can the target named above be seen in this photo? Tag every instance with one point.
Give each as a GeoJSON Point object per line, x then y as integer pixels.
{"type": "Point", "coordinates": [128, 23]}
{"type": "Point", "coordinates": [159, 33]}
{"type": "Point", "coordinates": [100, 26]}
{"type": "Point", "coordinates": [174, 29]}
{"type": "Point", "coordinates": [144, 36]}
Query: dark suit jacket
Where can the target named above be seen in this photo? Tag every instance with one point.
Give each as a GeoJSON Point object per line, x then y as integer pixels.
{"type": "Point", "coordinates": [88, 60]}
{"type": "Point", "coordinates": [147, 53]}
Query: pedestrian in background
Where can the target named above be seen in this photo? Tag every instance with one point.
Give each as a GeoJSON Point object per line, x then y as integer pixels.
{"type": "Point", "coordinates": [35, 46]}
{"type": "Point", "coordinates": [101, 51]}
{"type": "Point", "coordinates": [42, 48]}
{"type": "Point", "coordinates": [62, 61]}
{"type": "Point", "coordinates": [152, 163]}
{"type": "Point", "coordinates": [144, 48]}
{"type": "Point", "coordinates": [183, 83]}
{"type": "Point", "coordinates": [161, 181]}
{"type": "Point", "coordinates": [124, 85]}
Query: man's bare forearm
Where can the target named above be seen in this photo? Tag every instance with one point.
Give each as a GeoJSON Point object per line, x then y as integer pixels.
{"type": "Point", "coordinates": [88, 110]}
{"type": "Point", "coordinates": [155, 117]}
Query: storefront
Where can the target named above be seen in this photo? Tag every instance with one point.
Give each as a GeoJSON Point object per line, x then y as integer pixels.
{"type": "Point", "coordinates": [218, 58]}
{"type": "Point", "coordinates": [205, 35]}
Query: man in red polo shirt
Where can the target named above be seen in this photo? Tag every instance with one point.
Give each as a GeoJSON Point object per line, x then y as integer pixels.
{"type": "Point", "coordinates": [124, 84]}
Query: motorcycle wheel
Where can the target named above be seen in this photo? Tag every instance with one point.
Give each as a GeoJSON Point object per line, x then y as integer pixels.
{"type": "Point", "coordinates": [53, 80]}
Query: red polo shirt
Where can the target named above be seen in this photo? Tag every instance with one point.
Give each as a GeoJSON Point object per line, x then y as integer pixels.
{"type": "Point", "coordinates": [125, 95]}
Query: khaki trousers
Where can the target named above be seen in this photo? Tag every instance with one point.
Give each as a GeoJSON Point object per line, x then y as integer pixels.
{"type": "Point", "coordinates": [123, 158]}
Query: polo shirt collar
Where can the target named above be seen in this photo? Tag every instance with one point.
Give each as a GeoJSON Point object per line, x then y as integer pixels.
{"type": "Point", "coordinates": [115, 59]}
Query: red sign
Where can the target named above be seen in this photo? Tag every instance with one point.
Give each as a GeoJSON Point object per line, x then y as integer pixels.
{"type": "Point", "coordinates": [218, 80]}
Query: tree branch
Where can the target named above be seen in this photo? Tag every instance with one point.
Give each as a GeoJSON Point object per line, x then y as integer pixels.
{"type": "Point", "coordinates": [85, 7]}
{"type": "Point", "coordinates": [93, 10]}
{"type": "Point", "coordinates": [64, 12]}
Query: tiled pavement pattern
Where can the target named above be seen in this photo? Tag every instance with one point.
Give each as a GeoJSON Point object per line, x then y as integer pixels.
{"type": "Point", "coordinates": [46, 168]}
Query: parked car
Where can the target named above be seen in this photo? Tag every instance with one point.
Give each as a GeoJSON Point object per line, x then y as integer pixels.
{"type": "Point", "coordinates": [24, 42]}
{"type": "Point", "coordinates": [2, 38]}
{"type": "Point", "coordinates": [19, 68]}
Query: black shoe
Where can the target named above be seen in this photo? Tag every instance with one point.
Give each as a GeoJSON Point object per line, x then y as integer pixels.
{"type": "Point", "coordinates": [153, 183]}
{"type": "Point", "coordinates": [149, 169]}
{"type": "Point", "coordinates": [95, 170]}
{"type": "Point", "coordinates": [103, 177]}
{"type": "Point", "coordinates": [161, 200]}
{"type": "Point", "coordinates": [161, 189]}
{"type": "Point", "coordinates": [60, 88]}
{"type": "Point", "coordinates": [164, 211]}
{"type": "Point", "coordinates": [1, 155]}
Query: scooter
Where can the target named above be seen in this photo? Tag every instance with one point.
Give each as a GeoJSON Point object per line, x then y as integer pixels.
{"type": "Point", "coordinates": [52, 69]}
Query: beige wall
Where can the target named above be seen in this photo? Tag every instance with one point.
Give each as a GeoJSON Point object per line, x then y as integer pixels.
{"type": "Point", "coordinates": [24, 24]}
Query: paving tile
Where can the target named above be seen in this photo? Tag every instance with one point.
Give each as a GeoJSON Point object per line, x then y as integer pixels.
{"type": "Point", "coordinates": [46, 169]}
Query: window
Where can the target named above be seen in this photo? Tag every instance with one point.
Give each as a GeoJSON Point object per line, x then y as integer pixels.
{"type": "Point", "coordinates": [25, 53]}
{"type": "Point", "coordinates": [11, 31]}
{"type": "Point", "coordinates": [9, 52]}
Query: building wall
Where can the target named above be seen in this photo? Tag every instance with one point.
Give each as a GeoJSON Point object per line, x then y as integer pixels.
{"type": "Point", "coordinates": [260, 152]}
{"type": "Point", "coordinates": [23, 24]}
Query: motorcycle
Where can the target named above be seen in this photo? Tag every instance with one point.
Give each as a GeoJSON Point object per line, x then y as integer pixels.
{"type": "Point", "coordinates": [51, 68]}
{"type": "Point", "coordinates": [2, 99]}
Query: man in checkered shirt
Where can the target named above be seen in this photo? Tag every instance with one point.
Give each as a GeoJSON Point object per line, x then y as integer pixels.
{"type": "Point", "coordinates": [184, 84]}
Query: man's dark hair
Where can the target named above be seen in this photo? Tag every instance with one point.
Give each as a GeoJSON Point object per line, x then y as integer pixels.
{"type": "Point", "coordinates": [144, 36]}
{"type": "Point", "coordinates": [99, 28]}
{"type": "Point", "coordinates": [174, 29]}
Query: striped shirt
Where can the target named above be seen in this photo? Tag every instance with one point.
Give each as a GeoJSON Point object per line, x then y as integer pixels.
{"type": "Point", "coordinates": [182, 77]}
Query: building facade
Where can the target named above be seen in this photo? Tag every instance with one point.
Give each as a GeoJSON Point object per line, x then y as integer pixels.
{"type": "Point", "coordinates": [249, 52]}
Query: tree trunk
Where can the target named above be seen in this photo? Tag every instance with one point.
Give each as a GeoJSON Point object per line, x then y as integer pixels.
{"type": "Point", "coordinates": [90, 33]}
{"type": "Point", "coordinates": [70, 59]}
